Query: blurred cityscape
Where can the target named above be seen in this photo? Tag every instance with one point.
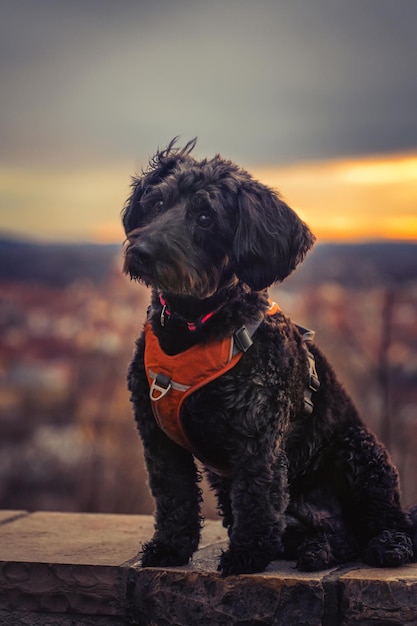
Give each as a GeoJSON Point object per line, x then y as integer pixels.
{"type": "Point", "coordinates": [68, 323]}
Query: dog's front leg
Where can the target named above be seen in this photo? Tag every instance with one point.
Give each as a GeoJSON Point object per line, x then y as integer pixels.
{"type": "Point", "coordinates": [173, 480]}
{"type": "Point", "coordinates": [259, 499]}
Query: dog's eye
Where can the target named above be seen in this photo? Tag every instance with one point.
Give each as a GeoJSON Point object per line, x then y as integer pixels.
{"type": "Point", "coordinates": [204, 220]}
{"type": "Point", "coordinates": [158, 206]}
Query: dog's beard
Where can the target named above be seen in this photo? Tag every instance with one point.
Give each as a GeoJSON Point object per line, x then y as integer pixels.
{"type": "Point", "coordinates": [177, 278]}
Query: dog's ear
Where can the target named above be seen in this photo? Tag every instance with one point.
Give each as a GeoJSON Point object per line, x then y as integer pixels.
{"type": "Point", "coordinates": [159, 167]}
{"type": "Point", "coordinates": [270, 239]}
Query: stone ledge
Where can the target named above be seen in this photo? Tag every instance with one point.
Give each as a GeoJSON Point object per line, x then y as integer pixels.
{"type": "Point", "coordinates": [81, 570]}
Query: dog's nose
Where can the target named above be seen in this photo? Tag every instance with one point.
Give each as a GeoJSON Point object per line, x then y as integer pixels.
{"type": "Point", "coordinates": [142, 251]}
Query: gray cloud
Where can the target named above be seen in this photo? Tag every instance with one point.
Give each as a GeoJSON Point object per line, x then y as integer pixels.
{"type": "Point", "coordinates": [273, 80]}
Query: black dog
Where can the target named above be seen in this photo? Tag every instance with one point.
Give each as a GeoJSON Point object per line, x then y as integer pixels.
{"type": "Point", "coordinates": [292, 481]}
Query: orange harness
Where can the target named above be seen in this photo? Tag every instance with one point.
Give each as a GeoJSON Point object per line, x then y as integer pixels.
{"type": "Point", "coordinates": [173, 378]}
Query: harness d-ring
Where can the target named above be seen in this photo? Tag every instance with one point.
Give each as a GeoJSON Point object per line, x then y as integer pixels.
{"type": "Point", "coordinates": [160, 385]}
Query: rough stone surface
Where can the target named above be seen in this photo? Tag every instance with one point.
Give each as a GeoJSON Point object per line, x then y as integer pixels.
{"type": "Point", "coordinates": [74, 538]}
{"type": "Point", "coordinates": [82, 570]}
{"type": "Point", "coordinates": [57, 563]}
{"type": "Point", "coordinates": [379, 597]}
{"type": "Point", "coordinates": [182, 597]}
{"type": "Point", "coordinates": [23, 618]}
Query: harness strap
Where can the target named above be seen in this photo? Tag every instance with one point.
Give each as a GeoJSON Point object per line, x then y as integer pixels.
{"type": "Point", "coordinates": [307, 336]}
{"type": "Point", "coordinates": [241, 342]}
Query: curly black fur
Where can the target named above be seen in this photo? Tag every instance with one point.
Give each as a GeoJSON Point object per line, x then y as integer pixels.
{"type": "Point", "coordinates": [317, 488]}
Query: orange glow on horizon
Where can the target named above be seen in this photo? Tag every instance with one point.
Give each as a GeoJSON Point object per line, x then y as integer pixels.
{"type": "Point", "coordinates": [109, 232]}
{"type": "Point", "coordinates": [352, 199]}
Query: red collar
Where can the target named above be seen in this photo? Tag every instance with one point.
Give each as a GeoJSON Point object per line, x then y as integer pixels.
{"type": "Point", "coordinates": [191, 325]}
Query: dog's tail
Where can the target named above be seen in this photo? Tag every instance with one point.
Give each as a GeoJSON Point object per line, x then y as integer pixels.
{"type": "Point", "coordinates": [413, 515]}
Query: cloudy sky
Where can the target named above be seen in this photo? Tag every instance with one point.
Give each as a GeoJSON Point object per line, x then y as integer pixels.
{"type": "Point", "coordinates": [316, 97]}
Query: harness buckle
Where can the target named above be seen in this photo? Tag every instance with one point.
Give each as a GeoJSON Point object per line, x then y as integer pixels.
{"type": "Point", "coordinates": [160, 386]}
{"type": "Point", "coordinates": [308, 404]}
{"type": "Point", "coordinates": [314, 383]}
{"type": "Point", "coordinates": [242, 339]}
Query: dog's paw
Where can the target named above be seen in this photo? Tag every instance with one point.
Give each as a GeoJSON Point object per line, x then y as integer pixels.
{"type": "Point", "coordinates": [237, 561]}
{"type": "Point", "coordinates": [315, 555]}
{"type": "Point", "coordinates": [391, 548]}
{"type": "Point", "coordinates": [158, 554]}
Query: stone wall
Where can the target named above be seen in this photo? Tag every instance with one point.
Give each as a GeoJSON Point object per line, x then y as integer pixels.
{"type": "Point", "coordinates": [81, 570]}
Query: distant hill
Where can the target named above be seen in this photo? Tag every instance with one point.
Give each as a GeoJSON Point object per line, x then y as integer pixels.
{"type": "Point", "coordinates": [363, 265]}
{"type": "Point", "coordinates": [351, 265]}
{"type": "Point", "coordinates": [55, 264]}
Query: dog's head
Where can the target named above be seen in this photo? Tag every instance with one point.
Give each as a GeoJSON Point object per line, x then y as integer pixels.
{"type": "Point", "coordinates": [194, 225]}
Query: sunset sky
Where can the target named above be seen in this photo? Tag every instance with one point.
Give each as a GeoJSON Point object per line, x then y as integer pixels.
{"type": "Point", "coordinates": [316, 98]}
